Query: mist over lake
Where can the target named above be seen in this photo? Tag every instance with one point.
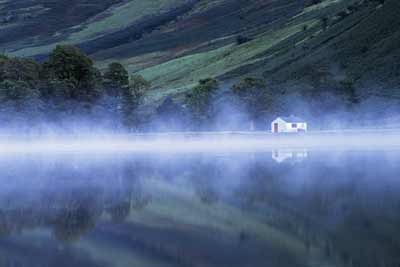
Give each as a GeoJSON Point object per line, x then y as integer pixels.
{"type": "Point", "coordinates": [199, 133]}
{"type": "Point", "coordinates": [311, 208]}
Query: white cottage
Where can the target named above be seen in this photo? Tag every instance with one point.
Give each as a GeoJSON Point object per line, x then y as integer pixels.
{"type": "Point", "coordinates": [289, 124]}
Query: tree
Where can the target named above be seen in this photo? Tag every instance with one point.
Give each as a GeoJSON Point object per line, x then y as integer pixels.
{"type": "Point", "coordinates": [17, 69]}
{"type": "Point", "coordinates": [253, 94]}
{"type": "Point", "coordinates": [20, 103]}
{"type": "Point", "coordinates": [139, 84]}
{"type": "Point", "coordinates": [131, 100]}
{"type": "Point", "coordinates": [72, 223]}
{"type": "Point", "coordinates": [168, 108]}
{"type": "Point", "coordinates": [171, 115]}
{"type": "Point", "coordinates": [68, 64]}
{"type": "Point", "coordinates": [115, 79]}
{"type": "Point", "coordinates": [200, 100]}
{"type": "Point", "coordinates": [349, 91]}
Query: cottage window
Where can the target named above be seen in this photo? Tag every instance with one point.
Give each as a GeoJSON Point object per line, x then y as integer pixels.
{"type": "Point", "coordinates": [294, 125]}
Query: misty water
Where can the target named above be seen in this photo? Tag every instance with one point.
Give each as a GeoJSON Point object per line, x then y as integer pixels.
{"type": "Point", "coordinates": [276, 208]}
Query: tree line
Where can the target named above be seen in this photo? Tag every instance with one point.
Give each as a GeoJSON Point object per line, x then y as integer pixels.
{"type": "Point", "coordinates": [67, 85]}
{"type": "Point", "coordinates": [67, 88]}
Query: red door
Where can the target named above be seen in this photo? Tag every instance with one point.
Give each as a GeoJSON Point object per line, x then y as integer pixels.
{"type": "Point", "coordinates": [275, 127]}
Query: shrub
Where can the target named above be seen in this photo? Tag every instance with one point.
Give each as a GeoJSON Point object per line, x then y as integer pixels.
{"type": "Point", "coordinates": [139, 84]}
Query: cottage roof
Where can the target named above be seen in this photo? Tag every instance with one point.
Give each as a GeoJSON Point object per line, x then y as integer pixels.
{"type": "Point", "coordinates": [292, 118]}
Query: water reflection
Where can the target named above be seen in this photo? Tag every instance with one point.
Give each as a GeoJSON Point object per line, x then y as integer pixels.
{"type": "Point", "coordinates": [293, 155]}
{"type": "Point", "coordinates": [333, 209]}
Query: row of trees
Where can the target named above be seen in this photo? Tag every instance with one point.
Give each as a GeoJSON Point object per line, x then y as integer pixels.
{"type": "Point", "coordinates": [67, 85]}
{"type": "Point", "coordinates": [210, 105]}
{"type": "Point", "coordinates": [67, 88]}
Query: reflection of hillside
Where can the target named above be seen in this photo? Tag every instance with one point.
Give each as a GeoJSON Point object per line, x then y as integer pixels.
{"type": "Point", "coordinates": [331, 207]}
{"type": "Point", "coordinates": [192, 210]}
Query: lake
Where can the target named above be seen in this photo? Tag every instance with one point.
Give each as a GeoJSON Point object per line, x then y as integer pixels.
{"type": "Point", "coordinates": [283, 207]}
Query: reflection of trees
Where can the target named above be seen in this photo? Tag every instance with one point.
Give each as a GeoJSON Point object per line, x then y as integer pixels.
{"type": "Point", "coordinates": [119, 212]}
{"type": "Point", "coordinates": [140, 200]}
{"type": "Point", "coordinates": [128, 194]}
{"type": "Point", "coordinates": [70, 224]}
{"type": "Point", "coordinates": [74, 199]}
{"type": "Point", "coordinates": [5, 225]}
{"type": "Point", "coordinates": [204, 175]}
{"type": "Point", "coordinates": [324, 210]}
{"type": "Point", "coordinates": [330, 208]}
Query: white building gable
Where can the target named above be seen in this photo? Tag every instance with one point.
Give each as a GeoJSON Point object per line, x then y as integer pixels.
{"type": "Point", "coordinates": [290, 124]}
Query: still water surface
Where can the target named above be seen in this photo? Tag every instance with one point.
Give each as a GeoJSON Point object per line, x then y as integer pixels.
{"type": "Point", "coordinates": [280, 208]}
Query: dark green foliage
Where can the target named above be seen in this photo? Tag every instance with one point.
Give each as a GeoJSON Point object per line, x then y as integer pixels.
{"type": "Point", "coordinates": [69, 65]}
{"type": "Point", "coordinates": [131, 99]}
{"type": "Point", "coordinates": [17, 69]}
{"type": "Point", "coordinates": [67, 86]}
{"type": "Point", "coordinates": [200, 100]}
{"type": "Point", "coordinates": [139, 84]}
{"type": "Point", "coordinates": [253, 93]}
{"type": "Point", "coordinates": [19, 103]}
{"type": "Point", "coordinates": [16, 90]}
{"type": "Point", "coordinates": [349, 91]}
{"type": "Point", "coordinates": [115, 79]}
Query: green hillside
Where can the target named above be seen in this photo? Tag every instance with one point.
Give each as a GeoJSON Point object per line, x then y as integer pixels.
{"type": "Point", "coordinates": [297, 47]}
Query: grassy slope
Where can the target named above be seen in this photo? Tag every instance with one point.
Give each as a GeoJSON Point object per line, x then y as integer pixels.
{"type": "Point", "coordinates": [174, 55]}
{"type": "Point", "coordinates": [364, 47]}
{"type": "Point", "coordinates": [116, 17]}
{"type": "Point", "coordinates": [120, 17]}
{"type": "Point", "coordinates": [181, 74]}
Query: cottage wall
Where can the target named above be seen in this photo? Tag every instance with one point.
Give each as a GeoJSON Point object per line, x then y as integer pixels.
{"type": "Point", "coordinates": [281, 125]}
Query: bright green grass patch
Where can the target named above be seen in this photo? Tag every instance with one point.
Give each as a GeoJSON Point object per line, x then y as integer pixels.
{"type": "Point", "coordinates": [183, 73]}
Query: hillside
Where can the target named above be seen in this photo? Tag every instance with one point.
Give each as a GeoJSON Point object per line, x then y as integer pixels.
{"type": "Point", "coordinates": [300, 47]}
